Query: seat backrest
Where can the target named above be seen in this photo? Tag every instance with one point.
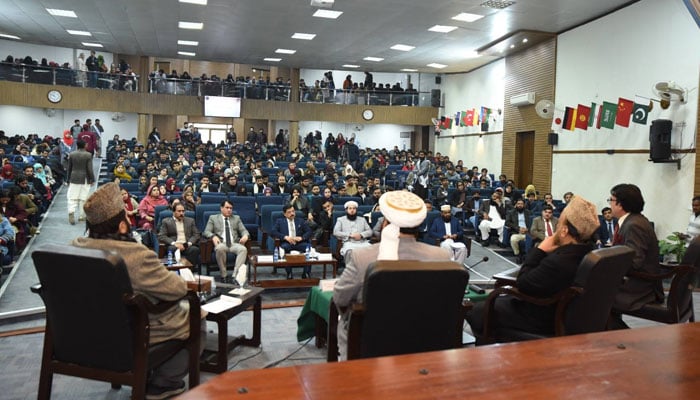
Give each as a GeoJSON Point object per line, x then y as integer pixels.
{"type": "Point", "coordinates": [600, 274]}
{"type": "Point", "coordinates": [680, 296]}
{"type": "Point", "coordinates": [199, 211]}
{"type": "Point", "coordinates": [82, 290]}
{"type": "Point", "coordinates": [412, 306]}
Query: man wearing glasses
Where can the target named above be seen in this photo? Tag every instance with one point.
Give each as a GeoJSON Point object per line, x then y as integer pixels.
{"type": "Point", "coordinates": [635, 231]}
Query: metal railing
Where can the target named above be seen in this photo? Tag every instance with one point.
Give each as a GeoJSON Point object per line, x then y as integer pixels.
{"type": "Point", "coordinates": [198, 87]}
{"type": "Point", "coordinates": [377, 98]}
{"type": "Point", "coordinates": [67, 77]}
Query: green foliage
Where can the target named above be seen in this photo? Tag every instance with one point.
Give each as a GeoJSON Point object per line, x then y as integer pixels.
{"type": "Point", "coordinates": [673, 244]}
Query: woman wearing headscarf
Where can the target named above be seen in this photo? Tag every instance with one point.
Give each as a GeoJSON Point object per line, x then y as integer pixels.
{"type": "Point", "coordinates": [131, 207]}
{"type": "Point", "coordinates": [7, 172]}
{"type": "Point", "coordinates": [16, 214]}
{"type": "Point", "coordinates": [147, 207]}
{"type": "Point", "coordinates": [67, 145]}
{"type": "Point", "coordinates": [120, 172]}
{"type": "Point", "coordinates": [39, 173]}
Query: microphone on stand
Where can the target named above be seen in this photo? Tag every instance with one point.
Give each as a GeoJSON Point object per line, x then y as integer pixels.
{"type": "Point", "coordinates": [480, 261]}
{"type": "Point", "coordinates": [473, 287]}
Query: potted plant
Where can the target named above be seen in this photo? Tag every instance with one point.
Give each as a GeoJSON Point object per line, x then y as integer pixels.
{"type": "Point", "coordinates": [673, 247]}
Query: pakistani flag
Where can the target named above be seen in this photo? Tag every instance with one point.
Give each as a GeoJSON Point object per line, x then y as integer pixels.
{"type": "Point", "coordinates": [640, 112]}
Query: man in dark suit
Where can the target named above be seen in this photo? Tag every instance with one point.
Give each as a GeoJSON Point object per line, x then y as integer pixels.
{"type": "Point", "coordinates": [608, 226]}
{"type": "Point", "coordinates": [544, 225]}
{"type": "Point", "coordinates": [473, 205]}
{"type": "Point", "coordinates": [518, 222]}
{"type": "Point", "coordinates": [229, 235]}
{"type": "Point", "coordinates": [547, 270]}
{"type": "Point", "coordinates": [448, 231]}
{"type": "Point", "coordinates": [636, 232]}
{"type": "Point", "coordinates": [293, 234]}
{"type": "Point", "coordinates": [281, 186]}
{"type": "Point", "coordinates": [180, 233]}
{"type": "Point", "coordinates": [80, 178]}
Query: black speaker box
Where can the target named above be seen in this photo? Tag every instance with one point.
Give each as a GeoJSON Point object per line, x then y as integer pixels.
{"type": "Point", "coordinates": [435, 95]}
{"type": "Point", "coordinates": [553, 139]}
{"type": "Point", "coordinates": [660, 139]}
{"type": "Point", "coordinates": [438, 80]}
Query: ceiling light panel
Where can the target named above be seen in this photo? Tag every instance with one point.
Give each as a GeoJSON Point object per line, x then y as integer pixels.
{"type": "Point", "coordinates": [6, 36]}
{"type": "Point", "coordinates": [402, 47]}
{"type": "Point", "coordinates": [442, 28]}
{"type": "Point", "coordinates": [375, 59]}
{"type": "Point", "coordinates": [327, 14]}
{"type": "Point", "coordinates": [467, 17]}
{"type": "Point", "coordinates": [61, 13]}
{"type": "Point", "coordinates": [197, 2]}
{"type": "Point", "coordinates": [304, 36]}
{"type": "Point", "coordinates": [285, 51]}
{"type": "Point", "coordinates": [350, 66]}
{"type": "Point", "coordinates": [78, 33]}
{"type": "Point", "coordinates": [88, 44]}
{"type": "Point", "coordinates": [188, 43]}
{"type": "Point", "coordinates": [190, 25]}
{"type": "Point", "coordinates": [272, 59]}
{"type": "Point", "coordinates": [186, 53]}
{"type": "Point", "coordinates": [409, 70]}
{"type": "Point", "coordinates": [436, 65]}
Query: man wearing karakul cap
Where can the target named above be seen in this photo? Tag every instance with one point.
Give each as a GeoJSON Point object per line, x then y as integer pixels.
{"type": "Point", "coordinates": [353, 231]}
{"type": "Point", "coordinates": [547, 270]}
{"type": "Point", "coordinates": [403, 213]}
{"type": "Point", "coordinates": [109, 230]}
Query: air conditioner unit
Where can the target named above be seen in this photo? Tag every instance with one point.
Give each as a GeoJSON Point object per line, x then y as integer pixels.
{"type": "Point", "coordinates": [322, 3]}
{"type": "Point", "coordinates": [523, 99]}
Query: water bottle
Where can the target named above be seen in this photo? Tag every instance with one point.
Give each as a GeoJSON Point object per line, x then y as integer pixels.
{"type": "Point", "coordinates": [307, 253]}
{"type": "Point", "coordinates": [276, 254]}
{"type": "Point", "coordinates": [170, 257]}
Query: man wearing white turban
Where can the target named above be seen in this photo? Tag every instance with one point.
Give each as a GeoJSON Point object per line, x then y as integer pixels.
{"type": "Point", "coordinates": [403, 213]}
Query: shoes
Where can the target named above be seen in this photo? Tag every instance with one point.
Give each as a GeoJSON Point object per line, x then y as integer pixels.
{"type": "Point", "coordinates": [304, 275]}
{"type": "Point", "coordinates": [71, 218]}
{"type": "Point", "coordinates": [290, 276]}
{"type": "Point", "coordinates": [82, 218]}
{"type": "Point", "coordinates": [157, 393]}
{"type": "Point", "coordinates": [485, 242]}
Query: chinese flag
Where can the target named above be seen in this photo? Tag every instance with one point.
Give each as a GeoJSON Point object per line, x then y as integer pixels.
{"type": "Point", "coordinates": [583, 113]}
{"type": "Point", "coordinates": [624, 112]}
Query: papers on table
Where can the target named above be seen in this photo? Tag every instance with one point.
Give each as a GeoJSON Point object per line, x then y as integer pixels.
{"type": "Point", "coordinates": [186, 274]}
{"type": "Point", "coordinates": [325, 256]}
{"type": "Point", "coordinates": [224, 303]}
{"type": "Point", "coordinates": [319, 257]}
{"type": "Point", "coordinates": [239, 291]}
{"type": "Point", "coordinates": [264, 259]}
{"type": "Point", "coordinates": [327, 285]}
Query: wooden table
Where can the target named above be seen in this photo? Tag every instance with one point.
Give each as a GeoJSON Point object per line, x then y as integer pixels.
{"type": "Point", "coordinates": [266, 261]}
{"type": "Point", "coordinates": [507, 277]}
{"type": "Point", "coordinates": [217, 360]}
{"type": "Point", "coordinates": [650, 363]}
{"type": "Point", "coordinates": [176, 265]}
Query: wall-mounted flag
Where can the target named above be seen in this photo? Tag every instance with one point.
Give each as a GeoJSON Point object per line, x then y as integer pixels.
{"type": "Point", "coordinates": [607, 115]}
{"type": "Point", "coordinates": [569, 121]}
{"type": "Point", "coordinates": [583, 113]}
{"type": "Point", "coordinates": [640, 113]}
{"type": "Point", "coordinates": [624, 112]}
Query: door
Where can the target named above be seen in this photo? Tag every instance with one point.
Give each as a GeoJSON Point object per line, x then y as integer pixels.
{"type": "Point", "coordinates": [524, 158]}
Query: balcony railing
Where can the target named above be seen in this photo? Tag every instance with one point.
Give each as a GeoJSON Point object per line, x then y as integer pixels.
{"type": "Point", "coordinates": [67, 77]}
{"type": "Point", "coordinates": [198, 87]}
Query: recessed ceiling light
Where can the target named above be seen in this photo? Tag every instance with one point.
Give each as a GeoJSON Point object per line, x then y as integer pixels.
{"type": "Point", "coordinates": [61, 13]}
{"type": "Point", "coordinates": [467, 17]}
{"type": "Point", "coordinates": [327, 14]}
{"type": "Point", "coordinates": [198, 2]}
{"type": "Point", "coordinates": [88, 44]}
{"type": "Point", "coordinates": [350, 66]}
{"type": "Point", "coordinates": [188, 43]}
{"type": "Point", "coordinates": [304, 36]}
{"type": "Point", "coordinates": [79, 33]}
{"type": "Point", "coordinates": [5, 35]}
{"type": "Point", "coordinates": [186, 53]}
{"type": "Point", "coordinates": [190, 25]}
{"type": "Point", "coordinates": [525, 40]}
{"type": "Point", "coordinates": [377, 59]}
{"type": "Point", "coordinates": [436, 65]}
{"type": "Point", "coordinates": [442, 28]}
{"type": "Point", "coordinates": [512, 46]}
{"type": "Point", "coordinates": [285, 51]}
{"type": "Point", "coordinates": [409, 70]}
{"type": "Point", "coordinates": [402, 47]}
{"type": "Point", "coordinates": [273, 59]}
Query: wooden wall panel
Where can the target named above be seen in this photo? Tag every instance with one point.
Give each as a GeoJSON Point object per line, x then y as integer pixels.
{"type": "Point", "coordinates": [532, 70]}
{"type": "Point", "coordinates": [167, 126]}
{"type": "Point", "coordinates": [696, 188]}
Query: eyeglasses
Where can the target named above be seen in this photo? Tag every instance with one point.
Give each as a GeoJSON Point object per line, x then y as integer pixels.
{"type": "Point", "coordinates": [611, 200]}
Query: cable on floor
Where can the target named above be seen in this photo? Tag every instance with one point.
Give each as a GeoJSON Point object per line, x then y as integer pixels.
{"type": "Point", "coordinates": [283, 359]}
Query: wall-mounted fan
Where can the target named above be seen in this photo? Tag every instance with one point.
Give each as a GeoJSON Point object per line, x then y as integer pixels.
{"type": "Point", "coordinates": [358, 127]}
{"type": "Point", "coordinates": [668, 91]}
{"type": "Point", "coordinates": [50, 112]}
{"type": "Point", "coordinates": [118, 117]}
{"type": "Point", "coordinates": [545, 109]}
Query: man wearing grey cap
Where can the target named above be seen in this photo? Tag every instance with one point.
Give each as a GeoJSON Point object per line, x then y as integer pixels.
{"type": "Point", "coordinates": [547, 270]}
{"type": "Point", "coordinates": [109, 230]}
{"type": "Point", "coordinates": [352, 231]}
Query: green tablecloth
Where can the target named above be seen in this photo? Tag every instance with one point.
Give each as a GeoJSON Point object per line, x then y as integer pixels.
{"type": "Point", "coordinates": [318, 303]}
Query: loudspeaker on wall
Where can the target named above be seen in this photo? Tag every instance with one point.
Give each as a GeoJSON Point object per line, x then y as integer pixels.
{"type": "Point", "coordinates": [435, 95]}
{"type": "Point", "coordinates": [438, 80]}
{"type": "Point", "coordinates": [660, 139]}
{"type": "Point", "coordinates": [553, 139]}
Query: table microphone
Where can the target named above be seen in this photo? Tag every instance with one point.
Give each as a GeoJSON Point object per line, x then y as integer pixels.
{"type": "Point", "coordinates": [479, 262]}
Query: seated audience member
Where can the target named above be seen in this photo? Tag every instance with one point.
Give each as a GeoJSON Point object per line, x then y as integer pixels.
{"type": "Point", "coordinates": [120, 172]}
{"type": "Point", "coordinates": [547, 270]}
{"type": "Point", "coordinates": [7, 240]}
{"type": "Point", "coordinates": [16, 214]}
{"type": "Point", "coordinates": [147, 207]}
{"type": "Point", "coordinates": [324, 220]}
{"type": "Point", "coordinates": [694, 221]}
{"type": "Point", "coordinates": [493, 215]}
{"type": "Point", "coordinates": [188, 200]}
{"type": "Point", "coordinates": [544, 225]}
{"type": "Point", "coordinates": [635, 232]}
{"type": "Point", "coordinates": [608, 226]}
{"type": "Point", "coordinates": [131, 207]}
{"type": "Point", "coordinates": [352, 231]}
{"type": "Point", "coordinates": [180, 233]}
{"type": "Point", "coordinates": [448, 231]}
{"type": "Point", "coordinates": [518, 222]}
{"type": "Point", "coordinates": [293, 234]}
{"type": "Point", "coordinates": [109, 230]}
{"type": "Point", "coordinates": [403, 212]}
{"type": "Point", "coordinates": [229, 235]}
